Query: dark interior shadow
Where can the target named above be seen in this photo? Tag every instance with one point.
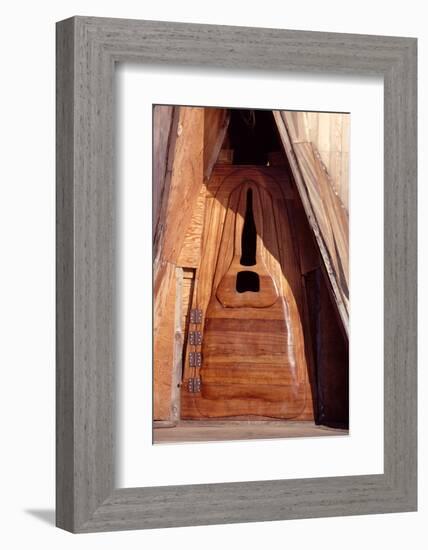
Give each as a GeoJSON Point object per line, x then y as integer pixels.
{"type": "Point", "coordinates": [47, 515]}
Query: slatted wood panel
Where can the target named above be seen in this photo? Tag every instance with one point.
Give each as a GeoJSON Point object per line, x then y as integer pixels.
{"type": "Point", "coordinates": [329, 135]}
{"type": "Point", "coordinates": [326, 214]}
{"type": "Point", "coordinates": [330, 214]}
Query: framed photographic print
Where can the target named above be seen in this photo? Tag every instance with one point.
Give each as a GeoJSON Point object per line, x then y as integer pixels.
{"type": "Point", "coordinates": [236, 274]}
{"type": "Point", "coordinates": [247, 283]}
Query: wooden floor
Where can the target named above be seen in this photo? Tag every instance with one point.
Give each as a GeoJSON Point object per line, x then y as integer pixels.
{"type": "Point", "coordinates": [194, 431]}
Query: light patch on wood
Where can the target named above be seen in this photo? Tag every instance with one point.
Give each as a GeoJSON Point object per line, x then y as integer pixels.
{"type": "Point", "coordinates": [178, 346]}
{"type": "Point", "coordinates": [186, 181]}
{"type": "Point", "coordinates": [329, 135]}
{"type": "Point", "coordinates": [190, 254]}
{"type": "Point", "coordinates": [331, 215]}
{"type": "Point", "coordinates": [163, 343]}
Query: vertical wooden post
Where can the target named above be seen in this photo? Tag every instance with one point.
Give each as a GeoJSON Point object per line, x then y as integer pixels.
{"type": "Point", "coordinates": [178, 347]}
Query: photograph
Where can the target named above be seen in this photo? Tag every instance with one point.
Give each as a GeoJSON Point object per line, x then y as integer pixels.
{"type": "Point", "coordinates": [250, 273]}
{"type": "Point", "coordinates": [210, 265]}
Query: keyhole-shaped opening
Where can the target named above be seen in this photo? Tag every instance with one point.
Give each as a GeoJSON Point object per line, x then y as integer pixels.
{"type": "Point", "coordinates": [249, 234]}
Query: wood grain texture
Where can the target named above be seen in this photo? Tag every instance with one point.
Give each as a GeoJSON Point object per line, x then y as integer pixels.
{"type": "Point", "coordinates": [86, 307]}
{"type": "Point", "coordinates": [163, 342]}
{"type": "Point", "coordinates": [186, 166]}
{"type": "Point", "coordinates": [330, 213]}
{"type": "Point", "coordinates": [329, 135]}
{"type": "Point", "coordinates": [65, 483]}
{"type": "Point", "coordinates": [179, 334]}
{"type": "Point", "coordinates": [216, 123]}
{"type": "Point", "coordinates": [177, 226]}
{"type": "Point", "coordinates": [253, 348]}
{"type": "Point", "coordinates": [87, 499]}
{"type": "Point", "coordinates": [327, 216]}
{"type": "Point", "coordinates": [193, 431]}
{"type": "Point", "coordinates": [190, 253]}
{"type": "Point", "coordinates": [277, 255]}
{"type": "Point", "coordinates": [165, 123]}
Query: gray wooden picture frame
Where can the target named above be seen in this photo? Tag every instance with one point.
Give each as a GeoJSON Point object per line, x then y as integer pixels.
{"type": "Point", "coordinates": [87, 50]}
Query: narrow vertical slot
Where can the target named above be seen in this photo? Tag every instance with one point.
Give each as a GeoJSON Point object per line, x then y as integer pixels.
{"type": "Point", "coordinates": [249, 234]}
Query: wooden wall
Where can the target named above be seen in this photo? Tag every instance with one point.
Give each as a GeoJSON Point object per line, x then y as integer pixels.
{"type": "Point", "coordinates": [183, 154]}
{"type": "Point", "coordinates": [179, 189]}
{"type": "Point", "coordinates": [320, 194]}
{"type": "Point", "coordinates": [329, 134]}
{"type": "Point", "coordinates": [186, 141]}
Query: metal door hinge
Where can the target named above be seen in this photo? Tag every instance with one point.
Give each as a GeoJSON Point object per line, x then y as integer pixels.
{"type": "Point", "coordinates": [194, 385]}
{"type": "Point", "coordinates": [195, 359]}
{"type": "Point", "coordinates": [195, 338]}
{"type": "Point", "coordinates": [196, 316]}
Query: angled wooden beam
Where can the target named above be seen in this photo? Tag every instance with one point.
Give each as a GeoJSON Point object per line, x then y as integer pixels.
{"type": "Point", "coordinates": [326, 215]}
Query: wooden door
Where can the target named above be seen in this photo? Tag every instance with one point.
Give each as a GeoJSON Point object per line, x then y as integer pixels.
{"type": "Point", "coordinates": [252, 359]}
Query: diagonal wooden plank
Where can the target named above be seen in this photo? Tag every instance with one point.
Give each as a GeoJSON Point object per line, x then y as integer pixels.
{"type": "Point", "coordinates": [328, 220]}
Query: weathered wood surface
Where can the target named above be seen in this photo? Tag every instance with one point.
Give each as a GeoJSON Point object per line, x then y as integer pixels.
{"type": "Point", "coordinates": [165, 121]}
{"type": "Point", "coordinates": [87, 497]}
{"type": "Point", "coordinates": [216, 122]}
{"type": "Point", "coordinates": [163, 343]}
{"type": "Point", "coordinates": [188, 287]}
{"type": "Point", "coordinates": [182, 186]}
{"type": "Point", "coordinates": [190, 253]}
{"type": "Point", "coordinates": [187, 141]}
{"type": "Point", "coordinates": [186, 181]}
{"type": "Point", "coordinates": [194, 431]}
{"type": "Point", "coordinates": [331, 216]}
{"type": "Point", "coordinates": [179, 335]}
{"type": "Point", "coordinates": [329, 135]}
{"type": "Point", "coordinates": [253, 344]}
{"type": "Point", "coordinates": [326, 214]}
